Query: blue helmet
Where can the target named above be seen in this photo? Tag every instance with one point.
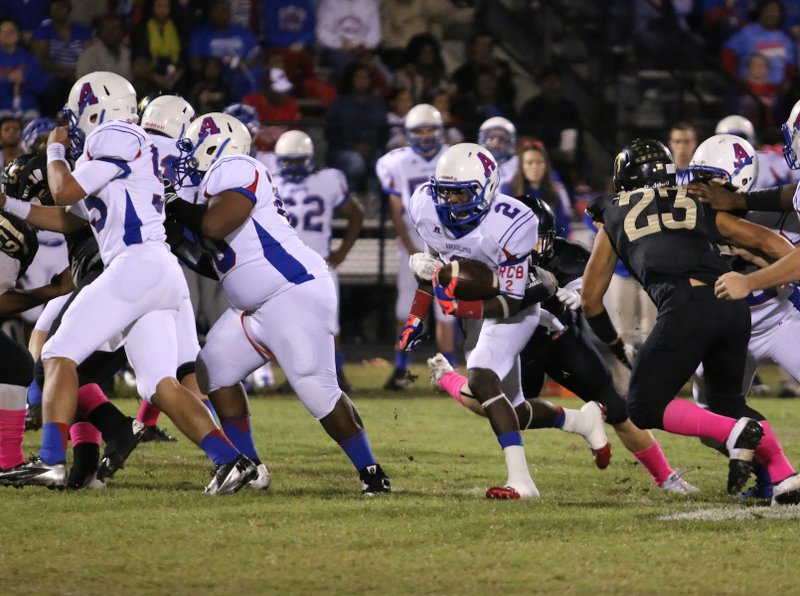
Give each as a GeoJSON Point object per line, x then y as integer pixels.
{"type": "Point", "coordinates": [33, 130]}
{"type": "Point", "coordinates": [245, 114]}
{"type": "Point", "coordinates": [468, 168]}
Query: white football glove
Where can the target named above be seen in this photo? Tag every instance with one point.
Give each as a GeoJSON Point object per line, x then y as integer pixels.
{"type": "Point", "coordinates": [569, 298]}
{"type": "Point", "coordinates": [423, 264]}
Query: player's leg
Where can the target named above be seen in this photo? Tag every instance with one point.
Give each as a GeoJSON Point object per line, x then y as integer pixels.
{"type": "Point", "coordinates": [406, 287]}
{"type": "Point", "coordinates": [152, 351]}
{"type": "Point", "coordinates": [228, 357]}
{"type": "Point", "coordinates": [16, 373]}
{"type": "Point", "coordinates": [306, 352]}
{"type": "Point", "coordinates": [337, 340]}
{"type": "Point", "coordinates": [498, 346]}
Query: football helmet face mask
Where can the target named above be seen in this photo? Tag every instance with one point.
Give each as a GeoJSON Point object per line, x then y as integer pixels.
{"type": "Point", "coordinates": [424, 128]}
{"type": "Point", "coordinates": [169, 115]}
{"type": "Point", "coordinates": [34, 135]}
{"type": "Point", "coordinates": [96, 98]}
{"type": "Point", "coordinates": [463, 186]}
{"type": "Point", "coordinates": [791, 137]}
{"type": "Point", "coordinates": [295, 153]}
{"type": "Point", "coordinates": [737, 125]}
{"type": "Point", "coordinates": [643, 163]}
{"type": "Point", "coordinates": [728, 157]}
{"type": "Point", "coordinates": [499, 136]}
{"type": "Point", "coordinates": [25, 178]}
{"type": "Point", "coordinates": [210, 137]}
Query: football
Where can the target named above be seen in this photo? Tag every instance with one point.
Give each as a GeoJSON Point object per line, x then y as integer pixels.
{"type": "Point", "coordinates": [476, 281]}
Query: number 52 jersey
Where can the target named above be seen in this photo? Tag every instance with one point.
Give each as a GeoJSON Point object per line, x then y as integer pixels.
{"type": "Point", "coordinates": [503, 239]}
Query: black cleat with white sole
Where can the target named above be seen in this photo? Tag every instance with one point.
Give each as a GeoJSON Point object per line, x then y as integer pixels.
{"type": "Point", "coordinates": [741, 443]}
{"type": "Point", "coordinates": [118, 450]}
{"type": "Point", "coordinates": [374, 481]}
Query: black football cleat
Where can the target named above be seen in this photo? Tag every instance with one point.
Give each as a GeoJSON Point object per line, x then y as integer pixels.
{"type": "Point", "coordinates": [741, 443]}
{"type": "Point", "coordinates": [33, 417]}
{"type": "Point", "coordinates": [232, 477]}
{"type": "Point", "coordinates": [118, 450]}
{"type": "Point", "coordinates": [374, 481]}
{"type": "Point", "coordinates": [400, 380]}
{"type": "Point", "coordinates": [154, 434]}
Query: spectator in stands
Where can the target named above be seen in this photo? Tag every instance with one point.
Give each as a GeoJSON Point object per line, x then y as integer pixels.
{"type": "Point", "coordinates": [440, 99]}
{"type": "Point", "coordinates": [662, 36]}
{"type": "Point", "coordinates": [288, 27]}
{"type": "Point", "coordinates": [21, 79]}
{"type": "Point", "coordinates": [401, 20]}
{"type": "Point", "coordinates": [535, 178]}
{"type": "Point", "coordinates": [10, 137]}
{"type": "Point", "coordinates": [345, 28]}
{"type": "Point", "coordinates": [761, 103]}
{"type": "Point", "coordinates": [554, 119]}
{"type": "Point", "coordinates": [245, 14]}
{"type": "Point", "coordinates": [158, 37]}
{"type": "Point", "coordinates": [682, 143]}
{"type": "Point", "coordinates": [235, 47]}
{"type": "Point", "coordinates": [399, 102]}
{"type": "Point", "coordinates": [88, 12]}
{"type": "Point", "coordinates": [27, 14]}
{"type": "Point", "coordinates": [212, 92]}
{"type": "Point", "coordinates": [57, 43]}
{"type": "Point", "coordinates": [483, 102]}
{"type": "Point", "coordinates": [277, 110]}
{"type": "Point", "coordinates": [764, 36]}
{"type": "Point", "coordinates": [481, 59]}
{"type": "Point", "coordinates": [423, 68]}
{"type": "Point", "coordinates": [108, 53]}
{"type": "Point", "coordinates": [355, 127]}
{"type": "Point", "coordinates": [720, 19]}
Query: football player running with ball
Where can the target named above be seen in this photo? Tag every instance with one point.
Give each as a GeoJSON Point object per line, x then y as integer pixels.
{"type": "Point", "coordinates": [460, 215]}
{"type": "Point", "coordinates": [283, 300]}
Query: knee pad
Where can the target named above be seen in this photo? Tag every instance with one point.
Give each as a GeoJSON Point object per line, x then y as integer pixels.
{"type": "Point", "coordinates": [645, 416]}
{"type": "Point", "coordinates": [185, 369]}
{"type": "Point", "coordinates": [17, 367]}
{"type": "Point", "coordinates": [201, 370]}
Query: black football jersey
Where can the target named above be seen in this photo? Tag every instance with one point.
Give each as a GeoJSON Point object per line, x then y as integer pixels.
{"type": "Point", "coordinates": [83, 253]}
{"type": "Point", "coordinates": [567, 261]}
{"type": "Point", "coordinates": [664, 236]}
{"type": "Point", "coordinates": [18, 240]}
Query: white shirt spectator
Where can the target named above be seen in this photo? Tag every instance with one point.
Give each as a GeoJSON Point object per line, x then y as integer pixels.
{"type": "Point", "coordinates": [343, 23]}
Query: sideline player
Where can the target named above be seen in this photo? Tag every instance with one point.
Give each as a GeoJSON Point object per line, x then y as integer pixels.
{"type": "Point", "coordinates": [499, 136]}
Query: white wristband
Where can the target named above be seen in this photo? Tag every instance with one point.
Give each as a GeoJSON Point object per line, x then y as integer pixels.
{"type": "Point", "coordinates": [57, 152]}
{"type": "Point", "coordinates": [19, 208]}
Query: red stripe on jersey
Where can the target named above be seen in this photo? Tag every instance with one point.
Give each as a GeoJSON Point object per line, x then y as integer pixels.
{"type": "Point", "coordinates": [252, 187]}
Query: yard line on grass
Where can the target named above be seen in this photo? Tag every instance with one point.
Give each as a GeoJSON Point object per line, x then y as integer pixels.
{"type": "Point", "coordinates": [735, 514]}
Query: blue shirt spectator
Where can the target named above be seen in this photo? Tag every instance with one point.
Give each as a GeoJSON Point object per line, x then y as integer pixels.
{"type": "Point", "coordinates": [27, 13]}
{"type": "Point", "coordinates": [58, 42]}
{"type": "Point", "coordinates": [20, 75]}
{"type": "Point", "coordinates": [288, 23]}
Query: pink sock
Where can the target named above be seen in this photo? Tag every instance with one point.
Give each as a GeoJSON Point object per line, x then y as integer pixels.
{"type": "Point", "coordinates": [452, 382]}
{"type": "Point", "coordinates": [682, 417]}
{"type": "Point", "coordinates": [148, 414]}
{"type": "Point", "coordinates": [655, 461]}
{"type": "Point", "coordinates": [769, 453]}
{"type": "Point", "coordinates": [89, 397]}
{"type": "Point", "coordinates": [12, 428]}
{"type": "Point", "coordinates": [84, 432]}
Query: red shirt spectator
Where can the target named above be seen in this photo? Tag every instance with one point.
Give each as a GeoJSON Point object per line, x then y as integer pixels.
{"type": "Point", "coordinates": [277, 110]}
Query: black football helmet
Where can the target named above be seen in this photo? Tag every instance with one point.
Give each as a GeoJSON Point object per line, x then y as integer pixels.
{"type": "Point", "coordinates": [25, 178]}
{"type": "Point", "coordinates": [643, 163]}
{"type": "Point", "coordinates": [547, 223]}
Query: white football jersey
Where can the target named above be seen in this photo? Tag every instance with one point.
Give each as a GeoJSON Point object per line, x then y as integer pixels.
{"type": "Point", "coordinates": [264, 256]}
{"type": "Point", "coordinates": [773, 171]}
{"type": "Point", "coordinates": [401, 172]}
{"type": "Point", "coordinates": [503, 239]}
{"type": "Point", "coordinates": [768, 308]}
{"type": "Point", "coordinates": [310, 205]}
{"type": "Point", "coordinates": [120, 173]}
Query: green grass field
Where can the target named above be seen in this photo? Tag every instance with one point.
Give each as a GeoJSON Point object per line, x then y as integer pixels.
{"type": "Point", "coordinates": [592, 532]}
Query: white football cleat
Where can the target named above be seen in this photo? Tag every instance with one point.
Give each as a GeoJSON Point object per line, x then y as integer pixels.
{"type": "Point", "coordinates": [438, 367]}
{"type": "Point", "coordinates": [676, 485]}
{"type": "Point", "coordinates": [787, 491]}
{"type": "Point", "coordinates": [262, 481]}
{"type": "Point", "coordinates": [595, 434]}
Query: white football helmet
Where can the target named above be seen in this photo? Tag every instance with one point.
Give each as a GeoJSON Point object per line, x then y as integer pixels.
{"type": "Point", "coordinates": [169, 115]}
{"type": "Point", "coordinates": [791, 137]}
{"type": "Point", "coordinates": [96, 98]}
{"type": "Point", "coordinates": [465, 167]}
{"type": "Point", "coordinates": [420, 117]}
{"type": "Point", "coordinates": [499, 136]}
{"type": "Point", "coordinates": [739, 126]}
{"type": "Point", "coordinates": [295, 153]}
{"type": "Point", "coordinates": [726, 156]}
{"type": "Point", "coordinates": [210, 137]}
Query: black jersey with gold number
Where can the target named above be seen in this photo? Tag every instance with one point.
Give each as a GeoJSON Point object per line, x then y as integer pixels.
{"type": "Point", "coordinates": [664, 236]}
{"type": "Point", "coordinates": [18, 240]}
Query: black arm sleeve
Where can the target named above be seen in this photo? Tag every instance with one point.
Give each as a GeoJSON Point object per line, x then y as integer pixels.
{"type": "Point", "coordinates": [768, 199]}
{"type": "Point", "coordinates": [188, 215]}
{"type": "Point", "coordinates": [541, 285]}
{"type": "Point", "coordinates": [188, 252]}
{"type": "Point", "coordinates": [603, 327]}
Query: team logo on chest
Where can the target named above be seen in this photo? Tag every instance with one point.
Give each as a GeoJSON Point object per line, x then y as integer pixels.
{"type": "Point", "coordinates": [87, 97]}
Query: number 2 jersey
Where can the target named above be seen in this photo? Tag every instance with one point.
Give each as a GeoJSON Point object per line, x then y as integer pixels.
{"type": "Point", "coordinates": [664, 236]}
{"type": "Point", "coordinates": [503, 239]}
{"type": "Point", "coordinates": [310, 204]}
{"type": "Point", "coordinates": [264, 256]}
{"type": "Point", "coordinates": [119, 170]}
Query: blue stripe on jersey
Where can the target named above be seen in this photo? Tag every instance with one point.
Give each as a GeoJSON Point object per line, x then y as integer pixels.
{"type": "Point", "coordinates": [277, 256]}
{"type": "Point", "coordinates": [794, 297]}
{"type": "Point", "coordinates": [139, 136]}
{"type": "Point", "coordinates": [514, 261]}
{"type": "Point", "coordinates": [761, 298]}
{"type": "Point", "coordinates": [121, 164]}
{"type": "Point", "coordinates": [513, 228]}
{"type": "Point", "coordinates": [133, 225]}
{"type": "Point", "coordinates": [246, 192]}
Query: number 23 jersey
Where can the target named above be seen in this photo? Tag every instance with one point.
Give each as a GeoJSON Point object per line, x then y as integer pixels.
{"type": "Point", "coordinates": [264, 256]}
{"type": "Point", "coordinates": [503, 239]}
{"type": "Point", "coordinates": [663, 235]}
